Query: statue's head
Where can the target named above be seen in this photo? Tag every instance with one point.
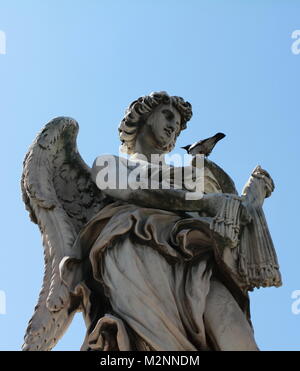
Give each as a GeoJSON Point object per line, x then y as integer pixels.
{"type": "Point", "coordinates": [157, 116]}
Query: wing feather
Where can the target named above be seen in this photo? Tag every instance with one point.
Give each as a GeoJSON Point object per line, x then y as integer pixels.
{"type": "Point", "coordinates": [61, 197]}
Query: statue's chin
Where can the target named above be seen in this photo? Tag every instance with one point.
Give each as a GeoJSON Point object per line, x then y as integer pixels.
{"type": "Point", "coordinates": [163, 146]}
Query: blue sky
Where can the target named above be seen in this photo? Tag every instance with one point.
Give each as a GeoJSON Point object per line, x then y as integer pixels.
{"type": "Point", "coordinates": [89, 59]}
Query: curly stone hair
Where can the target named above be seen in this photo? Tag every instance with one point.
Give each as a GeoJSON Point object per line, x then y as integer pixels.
{"type": "Point", "coordinates": [139, 110]}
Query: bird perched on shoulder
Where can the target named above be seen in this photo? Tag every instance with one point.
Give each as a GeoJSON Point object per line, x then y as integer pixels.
{"type": "Point", "coordinates": [205, 146]}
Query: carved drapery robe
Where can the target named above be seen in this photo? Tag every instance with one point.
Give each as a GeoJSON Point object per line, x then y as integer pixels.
{"type": "Point", "coordinates": [156, 268]}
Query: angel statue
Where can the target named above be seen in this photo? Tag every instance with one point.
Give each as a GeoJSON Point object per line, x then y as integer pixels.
{"type": "Point", "coordinates": [149, 268]}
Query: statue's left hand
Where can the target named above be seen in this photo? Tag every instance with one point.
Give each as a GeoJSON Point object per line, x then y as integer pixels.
{"type": "Point", "coordinates": [269, 183]}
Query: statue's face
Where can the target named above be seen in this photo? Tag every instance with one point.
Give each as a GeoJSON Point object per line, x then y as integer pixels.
{"type": "Point", "coordinates": [164, 123]}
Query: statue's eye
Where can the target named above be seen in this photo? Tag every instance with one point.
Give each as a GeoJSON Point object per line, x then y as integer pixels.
{"type": "Point", "coordinates": [168, 114]}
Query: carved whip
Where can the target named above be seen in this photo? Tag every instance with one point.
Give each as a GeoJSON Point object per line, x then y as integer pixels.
{"type": "Point", "coordinates": [257, 261]}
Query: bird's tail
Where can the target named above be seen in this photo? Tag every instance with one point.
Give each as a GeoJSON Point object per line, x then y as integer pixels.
{"type": "Point", "coordinates": [219, 136]}
{"type": "Point", "coordinates": [186, 147]}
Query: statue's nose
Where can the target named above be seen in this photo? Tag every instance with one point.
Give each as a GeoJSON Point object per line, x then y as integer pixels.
{"type": "Point", "coordinates": [171, 127]}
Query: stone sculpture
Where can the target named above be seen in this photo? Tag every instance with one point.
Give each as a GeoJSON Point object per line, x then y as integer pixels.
{"type": "Point", "coordinates": [150, 269]}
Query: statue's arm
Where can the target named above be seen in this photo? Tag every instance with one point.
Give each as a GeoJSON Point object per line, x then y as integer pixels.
{"type": "Point", "coordinates": [166, 199]}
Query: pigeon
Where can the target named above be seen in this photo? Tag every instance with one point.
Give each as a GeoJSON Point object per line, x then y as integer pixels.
{"type": "Point", "coordinates": [204, 147]}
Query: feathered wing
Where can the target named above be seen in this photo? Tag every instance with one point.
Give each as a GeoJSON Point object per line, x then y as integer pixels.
{"type": "Point", "coordinates": [61, 197]}
{"type": "Point", "coordinates": [225, 182]}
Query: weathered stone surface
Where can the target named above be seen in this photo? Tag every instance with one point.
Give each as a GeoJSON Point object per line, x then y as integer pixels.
{"type": "Point", "coordinates": [150, 269]}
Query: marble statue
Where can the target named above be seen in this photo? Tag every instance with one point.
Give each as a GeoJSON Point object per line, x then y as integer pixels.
{"type": "Point", "coordinates": [150, 269]}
